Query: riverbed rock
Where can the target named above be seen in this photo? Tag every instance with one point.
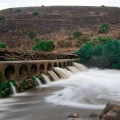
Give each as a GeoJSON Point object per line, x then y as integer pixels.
{"type": "Point", "coordinates": [113, 114]}
{"type": "Point", "coordinates": [73, 115]}
{"type": "Point", "coordinates": [110, 112]}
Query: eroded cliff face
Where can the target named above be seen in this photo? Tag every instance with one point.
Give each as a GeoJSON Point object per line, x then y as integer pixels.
{"type": "Point", "coordinates": [55, 23]}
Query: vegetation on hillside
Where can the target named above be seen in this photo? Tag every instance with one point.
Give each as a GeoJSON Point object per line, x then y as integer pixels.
{"type": "Point", "coordinates": [35, 13]}
{"type": "Point", "coordinates": [44, 45]}
{"type": "Point", "coordinates": [104, 27]}
{"type": "Point", "coordinates": [104, 52]}
{"type": "Point", "coordinates": [3, 45]}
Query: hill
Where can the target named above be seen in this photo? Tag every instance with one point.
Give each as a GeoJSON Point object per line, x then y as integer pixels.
{"type": "Point", "coordinates": [55, 23]}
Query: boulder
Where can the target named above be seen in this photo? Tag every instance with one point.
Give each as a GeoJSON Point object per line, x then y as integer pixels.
{"type": "Point", "coordinates": [109, 111]}
{"type": "Point", "coordinates": [113, 114]}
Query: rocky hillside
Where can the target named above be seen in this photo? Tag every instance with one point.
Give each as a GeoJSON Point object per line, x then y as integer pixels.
{"type": "Point", "coordinates": [55, 23]}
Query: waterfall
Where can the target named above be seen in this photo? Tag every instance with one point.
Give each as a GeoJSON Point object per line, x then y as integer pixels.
{"type": "Point", "coordinates": [13, 89]}
{"type": "Point", "coordinates": [73, 69]}
{"type": "Point", "coordinates": [81, 67]}
{"type": "Point", "coordinates": [61, 72]}
{"type": "Point", "coordinates": [53, 75]}
{"type": "Point", "coordinates": [68, 72]}
{"type": "Point", "coordinates": [38, 82]}
{"type": "Point", "coordinates": [46, 78]}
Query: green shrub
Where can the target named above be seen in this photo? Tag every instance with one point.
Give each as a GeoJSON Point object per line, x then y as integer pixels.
{"type": "Point", "coordinates": [4, 89]}
{"type": "Point", "coordinates": [35, 13]}
{"type": "Point", "coordinates": [77, 34]}
{"type": "Point", "coordinates": [104, 28]}
{"type": "Point", "coordinates": [32, 33]}
{"type": "Point", "coordinates": [3, 45]}
{"type": "Point", "coordinates": [44, 45]}
{"type": "Point", "coordinates": [85, 53]}
{"type": "Point", "coordinates": [2, 17]}
{"type": "Point", "coordinates": [107, 54]}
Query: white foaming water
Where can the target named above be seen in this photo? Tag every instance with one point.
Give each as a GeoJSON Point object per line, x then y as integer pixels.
{"type": "Point", "coordinates": [61, 72]}
{"type": "Point", "coordinates": [46, 78]}
{"type": "Point", "coordinates": [38, 82]}
{"type": "Point", "coordinates": [13, 89]}
{"type": "Point", "coordinates": [91, 89]}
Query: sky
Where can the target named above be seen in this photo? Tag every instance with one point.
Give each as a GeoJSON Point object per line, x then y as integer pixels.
{"type": "Point", "coordinates": [23, 3]}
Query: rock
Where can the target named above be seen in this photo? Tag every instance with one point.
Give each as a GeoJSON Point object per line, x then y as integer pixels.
{"type": "Point", "coordinates": [73, 115]}
{"type": "Point", "coordinates": [111, 112]}
{"type": "Point", "coordinates": [78, 119]}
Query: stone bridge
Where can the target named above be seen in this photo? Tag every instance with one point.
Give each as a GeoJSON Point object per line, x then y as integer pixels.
{"type": "Point", "coordinates": [19, 70]}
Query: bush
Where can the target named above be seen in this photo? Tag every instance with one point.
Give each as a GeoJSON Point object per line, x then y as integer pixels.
{"type": "Point", "coordinates": [3, 45]}
{"type": "Point", "coordinates": [77, 34]}
{"type": "Point", "coordinates": [32, 33]}
{"type": "Point", "coordinates": [107, 54]}
{"type": "Point", "coordinates": [104, 28]}
{"type": "Point", "coordinates": [44, 45]}
{"type": "Point", "coordinates": [35, 13]}
{"type": "Point", "coordinates": [4, 89]}
{"type": "Point", "coordinates": [85, 53]}
{"type": "Point", "coordinates": [2, 17]}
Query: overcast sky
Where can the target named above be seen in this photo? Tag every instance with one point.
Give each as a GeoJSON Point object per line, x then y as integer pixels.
{"type": "Point", "coordinates": [23, 3]}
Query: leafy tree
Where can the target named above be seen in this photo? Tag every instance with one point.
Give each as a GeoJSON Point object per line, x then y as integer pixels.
{"type": "Point", "coordinates": [85, 53]}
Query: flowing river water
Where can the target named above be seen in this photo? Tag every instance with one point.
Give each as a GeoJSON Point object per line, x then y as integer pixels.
{"type": "Point", "coordinates": [85, 93]}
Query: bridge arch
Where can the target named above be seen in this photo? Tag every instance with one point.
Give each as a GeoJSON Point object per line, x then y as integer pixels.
{"type": "Point", "coordinates": [64, 64]}
{"type": "Point", "coordinates": [33, 69]}
{"type": "Point", "coordinates": [49, 66]}
{"type": "Point", "coordinates": [23, 71]}
{"type": "Point", "coordinates": [42, 68]}
{"type": "Point", "coordinates": [9, 72]}
{"type": "Point", "coordinates": [55, 65]}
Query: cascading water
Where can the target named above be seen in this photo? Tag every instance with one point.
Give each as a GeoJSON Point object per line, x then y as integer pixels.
{"type": "Point", "coordinates": [46, 78]}
{"type": "Point", "coordinates": [37, 82]}
{"type": "Point", "coordinates": [61, 72]}
{"type": "Point", "coordinates": [81, 67]}
{"type": "Point", "coordinates": [73, 69]}
{"type": "Point", "coordinates": [53, 75]}
{"type": "Point", "coordinates": [91, 89]}
{"type": "Point", "coordinates": [13, 89]}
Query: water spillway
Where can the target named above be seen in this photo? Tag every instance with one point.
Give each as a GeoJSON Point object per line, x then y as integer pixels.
{"type": "Point", "coordinates": [53, 75]}
{"type": "Point", "coordinates": [81, 67]}
{"type": "Point", "coordinates": [73, 69]}
{"type": "Point", "coordinates": [61, 72]}
{"type": "Point", "coordinates": [38, 82]}
{"type": "Point", "coordinates": [46, 78]}
{"type": "Point", "coordinates": [13, 89]}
